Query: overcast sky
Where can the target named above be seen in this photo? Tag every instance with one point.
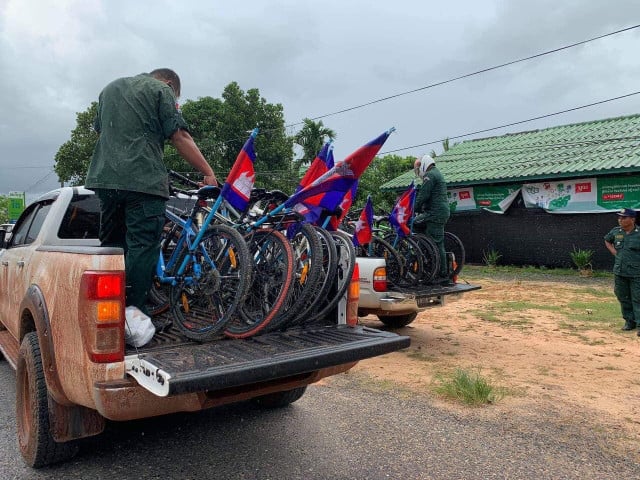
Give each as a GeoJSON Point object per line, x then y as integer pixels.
{"type": "Point", "coordinates": [316, 58]}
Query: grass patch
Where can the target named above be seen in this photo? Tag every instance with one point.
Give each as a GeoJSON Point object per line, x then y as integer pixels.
{"type": "Point", "coordinates": [525, 272]}
{"type": "Point", "coordinates": [422, 357]}
{"type": "Point", "coordinates": [468, 388]}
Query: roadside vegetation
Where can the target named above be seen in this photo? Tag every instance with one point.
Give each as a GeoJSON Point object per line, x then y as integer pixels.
{"type": "Point", "coordinates": [470, 388]}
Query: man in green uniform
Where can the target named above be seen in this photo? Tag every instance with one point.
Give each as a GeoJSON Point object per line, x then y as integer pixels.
{"type": "Point", "coordinates": [623, 241]}
{"type": "Point", "coordinates": [135, 117]}
{"type": "Point", "coordinates": [431, 207]}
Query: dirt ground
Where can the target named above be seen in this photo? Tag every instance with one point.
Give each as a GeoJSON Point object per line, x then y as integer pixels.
{"type": "Point", "coordinates": [549, 364]}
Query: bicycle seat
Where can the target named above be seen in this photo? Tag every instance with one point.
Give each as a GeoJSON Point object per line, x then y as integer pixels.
{"type": "Point", "coordinates": [278, 196]}
{"type": "Point", "coordinates": [208, 192]}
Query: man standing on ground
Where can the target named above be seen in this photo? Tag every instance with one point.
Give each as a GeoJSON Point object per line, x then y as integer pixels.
{"type": "Point", "coordinates": [135, 117]}
{"type": "Point", "coordinates": [623, 242]}
{"type": "Point", "coordinates": [432, 207]}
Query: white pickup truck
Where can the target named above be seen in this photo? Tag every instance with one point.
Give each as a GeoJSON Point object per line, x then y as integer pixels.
{"type": "Point", "coordinates": [397, 307]}
{"type": "Point", "coordinates": [62, 329]}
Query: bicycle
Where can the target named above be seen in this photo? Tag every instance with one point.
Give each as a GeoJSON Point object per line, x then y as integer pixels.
{"type": "Point", "coordinates": [206, 266]}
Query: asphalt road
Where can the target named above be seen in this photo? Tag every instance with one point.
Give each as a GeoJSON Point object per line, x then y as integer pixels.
{"type": "Point", "coordinates": [340, 430]}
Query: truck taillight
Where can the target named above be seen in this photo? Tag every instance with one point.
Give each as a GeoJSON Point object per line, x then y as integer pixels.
{"type": "Point", "coordinates": [380, 279]}
{"type": "Point", "coordinates": [353, 297]}
{"type": "Point", "coordinates": [101, 315]}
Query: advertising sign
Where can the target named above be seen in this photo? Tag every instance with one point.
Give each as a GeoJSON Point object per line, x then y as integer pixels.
{"type": "Point", "coordinates": [16, 205]}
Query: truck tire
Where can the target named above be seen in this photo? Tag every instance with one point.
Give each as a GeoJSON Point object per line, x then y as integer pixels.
{"type": "Point", "coordinates": [280, 399]}
{"type": "Point", "coordinates": [398, 321]}
{"type": "Point", "coordinates": [37, 446]}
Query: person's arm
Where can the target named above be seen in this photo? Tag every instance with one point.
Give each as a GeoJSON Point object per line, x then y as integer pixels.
{"type": "Point", "coordinates": [610, 247]}
{"type": "Point", "coordinates": [187, 148]}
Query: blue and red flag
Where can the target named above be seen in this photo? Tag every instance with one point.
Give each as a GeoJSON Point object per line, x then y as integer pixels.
{"type": "Point", "coordinates": [318, 167]}
{"type": "Point", "coordinates": [403, 211]}
{"type": "Point", "coordinates": [364, 226]}
{"type": "Point", "coordinates": [239, 183]}
{"type": "Point", "coordinates": [328, 191]}
{"type": "Point", "coordinates": [345, 205]}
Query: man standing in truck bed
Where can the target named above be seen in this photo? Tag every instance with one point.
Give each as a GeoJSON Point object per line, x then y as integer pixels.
{"type": "Point", "coordinates": [432, 207]}
{"type": "Point", "coordinates": [135, 117]}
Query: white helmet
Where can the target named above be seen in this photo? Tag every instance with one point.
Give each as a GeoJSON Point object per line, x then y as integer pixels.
{"type": "Point", "coordinates": [425, 162]}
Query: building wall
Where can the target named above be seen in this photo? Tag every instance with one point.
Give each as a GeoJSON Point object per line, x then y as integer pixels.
{"type": "Point", "coordinates": [532, 236]}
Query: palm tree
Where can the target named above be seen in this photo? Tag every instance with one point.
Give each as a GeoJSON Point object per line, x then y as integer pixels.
{"type": "Point", "coordinates": [311, 137]}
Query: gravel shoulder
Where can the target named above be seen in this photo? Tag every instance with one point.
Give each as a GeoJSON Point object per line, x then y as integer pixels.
{"type": "Point", "coordinates": [529, 336]}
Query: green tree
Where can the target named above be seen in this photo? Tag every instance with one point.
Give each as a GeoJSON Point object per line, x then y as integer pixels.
{"type": "Point", "coordinates": [220, 126]}
{"type": "Point", "coordinates": [380, 171]}
{"type": "Point", "coordinates": [311, 137]}
{"type": "Point", "coordinates": [73, 157]}
{"type": "Point", "coordinates": [4, 209]}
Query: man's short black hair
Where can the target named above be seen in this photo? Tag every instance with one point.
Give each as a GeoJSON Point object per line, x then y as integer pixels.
{"type": "Point", "coordinates": [170, 77]}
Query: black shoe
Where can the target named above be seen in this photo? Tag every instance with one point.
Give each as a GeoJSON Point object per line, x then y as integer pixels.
{"type": "Point", "coordinates": [447, 283]}
{"type": "Point", "coordinates": [629, 326]}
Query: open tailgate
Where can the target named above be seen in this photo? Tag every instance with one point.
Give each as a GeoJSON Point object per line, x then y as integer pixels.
{"type": "Point", "coordinates": [194, 367]}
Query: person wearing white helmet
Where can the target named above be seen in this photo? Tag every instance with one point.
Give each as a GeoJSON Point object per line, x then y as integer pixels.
{"type": "Point", "coordinates": [431, 207]}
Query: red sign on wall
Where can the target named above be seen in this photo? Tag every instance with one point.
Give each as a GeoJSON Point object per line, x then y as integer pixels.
{"type": "Point", "coordinates": [583, 187]}
{"type": "Point", "coordinates": [464, 195]}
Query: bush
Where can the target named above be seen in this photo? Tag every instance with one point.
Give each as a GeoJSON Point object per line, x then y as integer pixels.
{"type": "Point", "coordinates": [582, 258]}
{"type": "Point", "coordinates": [469, 388]}
{"type": "Point", "coordinates": [491, 257]}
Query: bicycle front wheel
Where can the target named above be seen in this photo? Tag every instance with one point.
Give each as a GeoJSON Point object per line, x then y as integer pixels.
{"type": "Point", "coordinates": [215, 283]}
{"type": "Point", "coordinates": [273, 271]}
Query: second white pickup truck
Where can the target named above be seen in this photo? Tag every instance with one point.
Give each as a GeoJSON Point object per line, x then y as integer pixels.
{"type": "Point", "coordinates": [397, 307]}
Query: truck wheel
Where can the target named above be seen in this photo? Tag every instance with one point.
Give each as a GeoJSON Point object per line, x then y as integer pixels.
{"type": "Point", "coordinates": [37, 446]}
{"type": "Point", "coordinates": [398, 321]}
{"type": "Point", "coordinates": [280, 399]}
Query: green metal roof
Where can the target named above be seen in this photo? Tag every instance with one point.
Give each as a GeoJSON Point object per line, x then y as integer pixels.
{"type": "Point", "coordinates": [602, 147]}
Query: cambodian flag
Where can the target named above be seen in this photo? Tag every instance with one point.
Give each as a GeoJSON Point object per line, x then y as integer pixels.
{"type": "Point", "coordinates": [364, 226]}
{"type": "Point", "coordinates": [237, 188]}
{"type": "Point", "coordinates": [330, 160]}
{"type": "Point", "coordinates": [403, 211]}
{"type": "Point", "coordinates": [327, 191]}
{"type": "Point", "coordinates": [318, 167]}
{"type": "Point", "coordinates": [344, 207]}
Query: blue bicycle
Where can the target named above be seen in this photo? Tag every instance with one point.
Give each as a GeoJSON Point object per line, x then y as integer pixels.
{"type": "Point", "coordinates": [204, 269]}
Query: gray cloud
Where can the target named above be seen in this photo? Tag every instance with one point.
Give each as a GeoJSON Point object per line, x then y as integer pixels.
{"type": "Point", "coordinates": [315, 59]}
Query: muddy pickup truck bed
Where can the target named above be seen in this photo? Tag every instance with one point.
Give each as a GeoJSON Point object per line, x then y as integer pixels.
{"type": "Point", "coordinates": [169, 365]}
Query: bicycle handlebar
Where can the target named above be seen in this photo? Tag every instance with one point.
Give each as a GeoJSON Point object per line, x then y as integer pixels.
{"type": "Point", "coordinates": [182, 178]}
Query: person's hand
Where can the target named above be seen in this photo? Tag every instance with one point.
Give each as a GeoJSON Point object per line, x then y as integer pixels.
{"type": "Point", "coordinates": [210, 180]}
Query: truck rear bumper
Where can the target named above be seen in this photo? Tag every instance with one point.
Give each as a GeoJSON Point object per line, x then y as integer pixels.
{"type": "Point", "coordinates": [194, 376]}
{"type": "Point", "coordinates": [416, 299]}
{"type": "Point", "coordinates": [124, 400]}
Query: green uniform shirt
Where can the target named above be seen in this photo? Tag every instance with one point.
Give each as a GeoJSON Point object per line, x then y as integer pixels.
{"type": "Point", "coordinates": [627, 245]}
{"type": "Point", "coordinates": [431, 198]}
{"type": "Point", "coordinates": [135, 116]}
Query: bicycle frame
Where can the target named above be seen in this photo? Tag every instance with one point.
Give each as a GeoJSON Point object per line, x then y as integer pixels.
{"type": "Point", "coordinates": [187, 232]}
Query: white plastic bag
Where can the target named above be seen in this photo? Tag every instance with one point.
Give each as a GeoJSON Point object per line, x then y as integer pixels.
{"type": "Point", "coordinates": [138, 329]}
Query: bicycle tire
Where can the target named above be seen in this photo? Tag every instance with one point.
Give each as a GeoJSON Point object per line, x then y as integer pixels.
{"type": "Point", "coordinates": [159, 293]}
{"type": "Point", "coordinates": [379, 247]}
{"type": "Point", "coordinates": [307, 258]}
{"type": "Point", "coordinates": [430, 257]}
{"type": "Point", "coordinates": [273, 271]}
{"type": "Point", "coordinates": [453, 244]}
{"type": "Point", "coordinates": [329, 267]}
{"type": "Point", "coordinates": [203, 308]}
{"type": "Point", "coordinates": [346, 263]}
{"type": "Point", "coordinates": [411, 254]}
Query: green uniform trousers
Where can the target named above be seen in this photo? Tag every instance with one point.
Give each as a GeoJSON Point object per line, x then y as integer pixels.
{"type": "Point", "coordinates": [133, 221]}
{"type": "Point", "coordinates": [627, 290]}
{"type": "Point", "coordinates": [435, 230]}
